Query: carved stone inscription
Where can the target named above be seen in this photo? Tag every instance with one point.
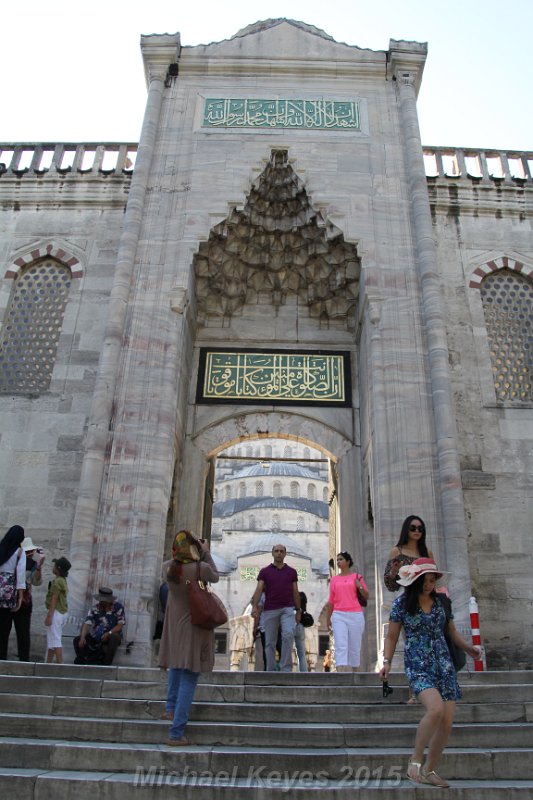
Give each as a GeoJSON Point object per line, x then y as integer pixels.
{"type": "Point", "coordinates": [273, 377]}
{"type": "Point", "coordinates": [322, 114]}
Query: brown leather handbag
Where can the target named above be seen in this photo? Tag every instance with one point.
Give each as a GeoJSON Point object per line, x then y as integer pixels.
{"type": "Point", "coordinates": [206, 609]}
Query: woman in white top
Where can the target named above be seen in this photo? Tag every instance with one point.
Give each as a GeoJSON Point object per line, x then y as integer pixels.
{"type": "Point", "coordinates": [12, 582]}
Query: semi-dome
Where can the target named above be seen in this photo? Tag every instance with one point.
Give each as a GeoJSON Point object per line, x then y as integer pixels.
{"type": "Point", "coordinates": [275, 468]}
{"type": "Point", "coordinates": [265, 542]}
{"type": "Point", "coordinates": [236, 505]}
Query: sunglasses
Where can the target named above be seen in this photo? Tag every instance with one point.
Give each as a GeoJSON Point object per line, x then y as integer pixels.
{"type": "Point", "coordinates": [415, 528]}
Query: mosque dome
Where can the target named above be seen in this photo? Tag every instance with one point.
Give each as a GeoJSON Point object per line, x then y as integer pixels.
{"type": "Point", "coordinates": [265, 542]}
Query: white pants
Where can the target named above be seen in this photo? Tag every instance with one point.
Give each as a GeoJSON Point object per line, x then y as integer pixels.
{"type": "Point", "coordinates": [54, 631]}
{"type": "Point", "coordinates": [348, 627]}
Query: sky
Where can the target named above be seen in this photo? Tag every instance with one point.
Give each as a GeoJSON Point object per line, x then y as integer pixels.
{"type": "Point", "coordinates": [72, 72]}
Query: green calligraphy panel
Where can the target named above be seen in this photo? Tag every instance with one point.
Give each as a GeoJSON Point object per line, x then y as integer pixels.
{"type": "Point", "coordinates": [339, 115]}
{"type": "Point", "coordinates": [286, 377]}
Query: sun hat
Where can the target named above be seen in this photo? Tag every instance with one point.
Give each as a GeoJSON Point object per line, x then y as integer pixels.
{"type": "Point", "coordinates": [63, 565]}
{"type": "Point", "coordinates": [105, 595]}
{"type": "Point", "coordinates": [410, 572]}
{"type": "Point", "coordinates": [27, 545]}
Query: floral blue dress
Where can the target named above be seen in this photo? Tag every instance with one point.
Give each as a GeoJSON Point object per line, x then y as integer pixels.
{"type": "Point", "coordinates": [427, 659]}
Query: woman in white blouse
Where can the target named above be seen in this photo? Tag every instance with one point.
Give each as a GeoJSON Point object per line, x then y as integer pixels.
{"type": "Point", "coordinates": [12, 582]}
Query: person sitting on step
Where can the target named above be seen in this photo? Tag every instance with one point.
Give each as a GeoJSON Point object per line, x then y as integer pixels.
{"type": "Point", "coordinates": [101, 632]}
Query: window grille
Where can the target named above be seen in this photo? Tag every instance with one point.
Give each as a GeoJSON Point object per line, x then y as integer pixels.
{"type": "Point", "coordinates": [507, 300]}
{"type": "Point", "coordinates": [32, 326]}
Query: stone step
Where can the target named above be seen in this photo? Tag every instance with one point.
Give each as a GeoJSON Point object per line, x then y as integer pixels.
{"type": "Point", "coordinates": [386, 713]}
{"type": "Point", "coordinates": [96, 732]}
{"type": "Point", "coordinates": [269, 734]}
{"type": "Point", "coordinates": [239, 693]}
{"type": "Point", "coordinates": [221, 677]}
{"type": "Point", "coordinates": [338, 764]}
{"type": "Point", "coordinates": [33, 784]}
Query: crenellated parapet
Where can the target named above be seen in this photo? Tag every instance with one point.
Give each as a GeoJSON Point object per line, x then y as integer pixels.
{"type": "Point", "coordinates": [495, 167]}
{"type": "Point", "coordinates": [62, 175]}
{"type": "Point", "coordinates": [51, 160]}
{"type": "Point", "coordinates": [491, 183]}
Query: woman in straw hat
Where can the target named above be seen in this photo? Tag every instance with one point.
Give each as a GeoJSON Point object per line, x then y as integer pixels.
{"type": "Point", "coordinates": [410, 546]}
{"type": "Point", "coordinates": [428, 665]}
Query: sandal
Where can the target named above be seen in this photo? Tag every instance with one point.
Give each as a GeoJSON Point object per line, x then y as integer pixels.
{"type": "Point", "coordinates": [412, 701]}
{"type": "Point", "coordinates": [414, 771]}
{"type": "Point", "coordinates": [432, 779]}
{"type": "Point", "coordinates": [167, 715]}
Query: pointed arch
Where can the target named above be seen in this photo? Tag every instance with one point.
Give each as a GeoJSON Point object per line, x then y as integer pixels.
{"type": "Point", "coordinates": [49, 249]}
{"type": "Point", "coordinates": [503, 262]}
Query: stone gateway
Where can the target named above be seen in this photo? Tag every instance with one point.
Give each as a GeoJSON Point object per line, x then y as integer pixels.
{"type": "Point", "coordinates": [278, 259]}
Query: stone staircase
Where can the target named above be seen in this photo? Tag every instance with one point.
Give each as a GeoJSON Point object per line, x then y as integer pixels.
{"type": "Point", "coordinates": [94, 733]}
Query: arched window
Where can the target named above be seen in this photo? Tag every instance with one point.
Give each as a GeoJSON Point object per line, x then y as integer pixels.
{"type": "Point", "coordinates": [507, 299]}
{"type": "Point", "coordinates": [227, 492]}
{"type": "Point", "coordinates": [249, 451]}
{"type": "Point", "coordinates": [325, 494]}
{"type": "Point", "coordinates": [251, 522]}
{"type": "Point", "coordinates": [276, 522]}
{"type": "Point", "coordinates": [287, 452]}
{"type": "Point", "coordinates": [295, 490]}
{"type": "Point", "coordinates": [276, 489]}
{"type": "Point", "coordinates": [311, 491]}
{"type": "Point", "coordinates": [242, 489]}
{"type": "Point", "coordinates": [268, 451]}
{"type": "Point", "coordinates": [299, 523]}
{"type": "Point", "coordinates": [259, 489]}
{"type": "Point", "coordinates": [307, 452]}
{"type": "Point", "coordinates": [30, 334]}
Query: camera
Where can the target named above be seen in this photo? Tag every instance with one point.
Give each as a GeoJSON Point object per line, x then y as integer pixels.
{"type": "Point", "coordinates": [387, 690]}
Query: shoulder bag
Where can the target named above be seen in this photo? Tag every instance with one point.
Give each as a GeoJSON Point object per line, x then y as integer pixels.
{"type": "Point", "coordinates": [307, 619]}
{"type": "Point", "coordinates": [8, 588]}
{"type": "Point", "coordinates": [363, 602]}
{"type": "Point", "coordinates": [457, 655]}
{"type": "Point", "coordinates": [206, 609]}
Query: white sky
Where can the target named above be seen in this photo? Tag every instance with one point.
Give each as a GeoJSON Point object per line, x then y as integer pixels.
{"type": "Point", "coordinates": [72, 72]}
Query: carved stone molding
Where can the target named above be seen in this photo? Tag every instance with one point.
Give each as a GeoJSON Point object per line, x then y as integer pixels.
{"type": "Point", "coordinates": [278, 245]}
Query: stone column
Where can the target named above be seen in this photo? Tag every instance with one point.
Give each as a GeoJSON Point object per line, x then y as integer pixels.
{"type": "Point", "coordinates": [99, 433]}
{"type": "Point", "coordinates": [449, 474]}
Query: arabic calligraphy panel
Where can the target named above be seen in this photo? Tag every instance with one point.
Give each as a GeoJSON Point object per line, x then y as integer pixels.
{"type": "Point", "coordinates": [258, 113]}
{"type": "Point", "coordinates": [261, 376]}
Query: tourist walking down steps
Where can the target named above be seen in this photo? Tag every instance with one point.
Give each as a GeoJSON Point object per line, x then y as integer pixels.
{"type": "Point", "coordinates": [428, 664]}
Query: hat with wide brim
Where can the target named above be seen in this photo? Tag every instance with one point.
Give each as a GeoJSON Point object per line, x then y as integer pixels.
{"type": "Point", "coordinates": [409, 573]}
{"type": "Point", "coordinates": [27, 545]}
{"type": "Point", "coordinates": [105, 595]}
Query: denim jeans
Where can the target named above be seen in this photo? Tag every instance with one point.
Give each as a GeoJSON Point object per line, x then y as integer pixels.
{"type": "Point", "coordinates": [272, 620]}
{"type": "Point", "coordinates": [299, 641]}
{"type": "Point", "coordinates": [180, 692]}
